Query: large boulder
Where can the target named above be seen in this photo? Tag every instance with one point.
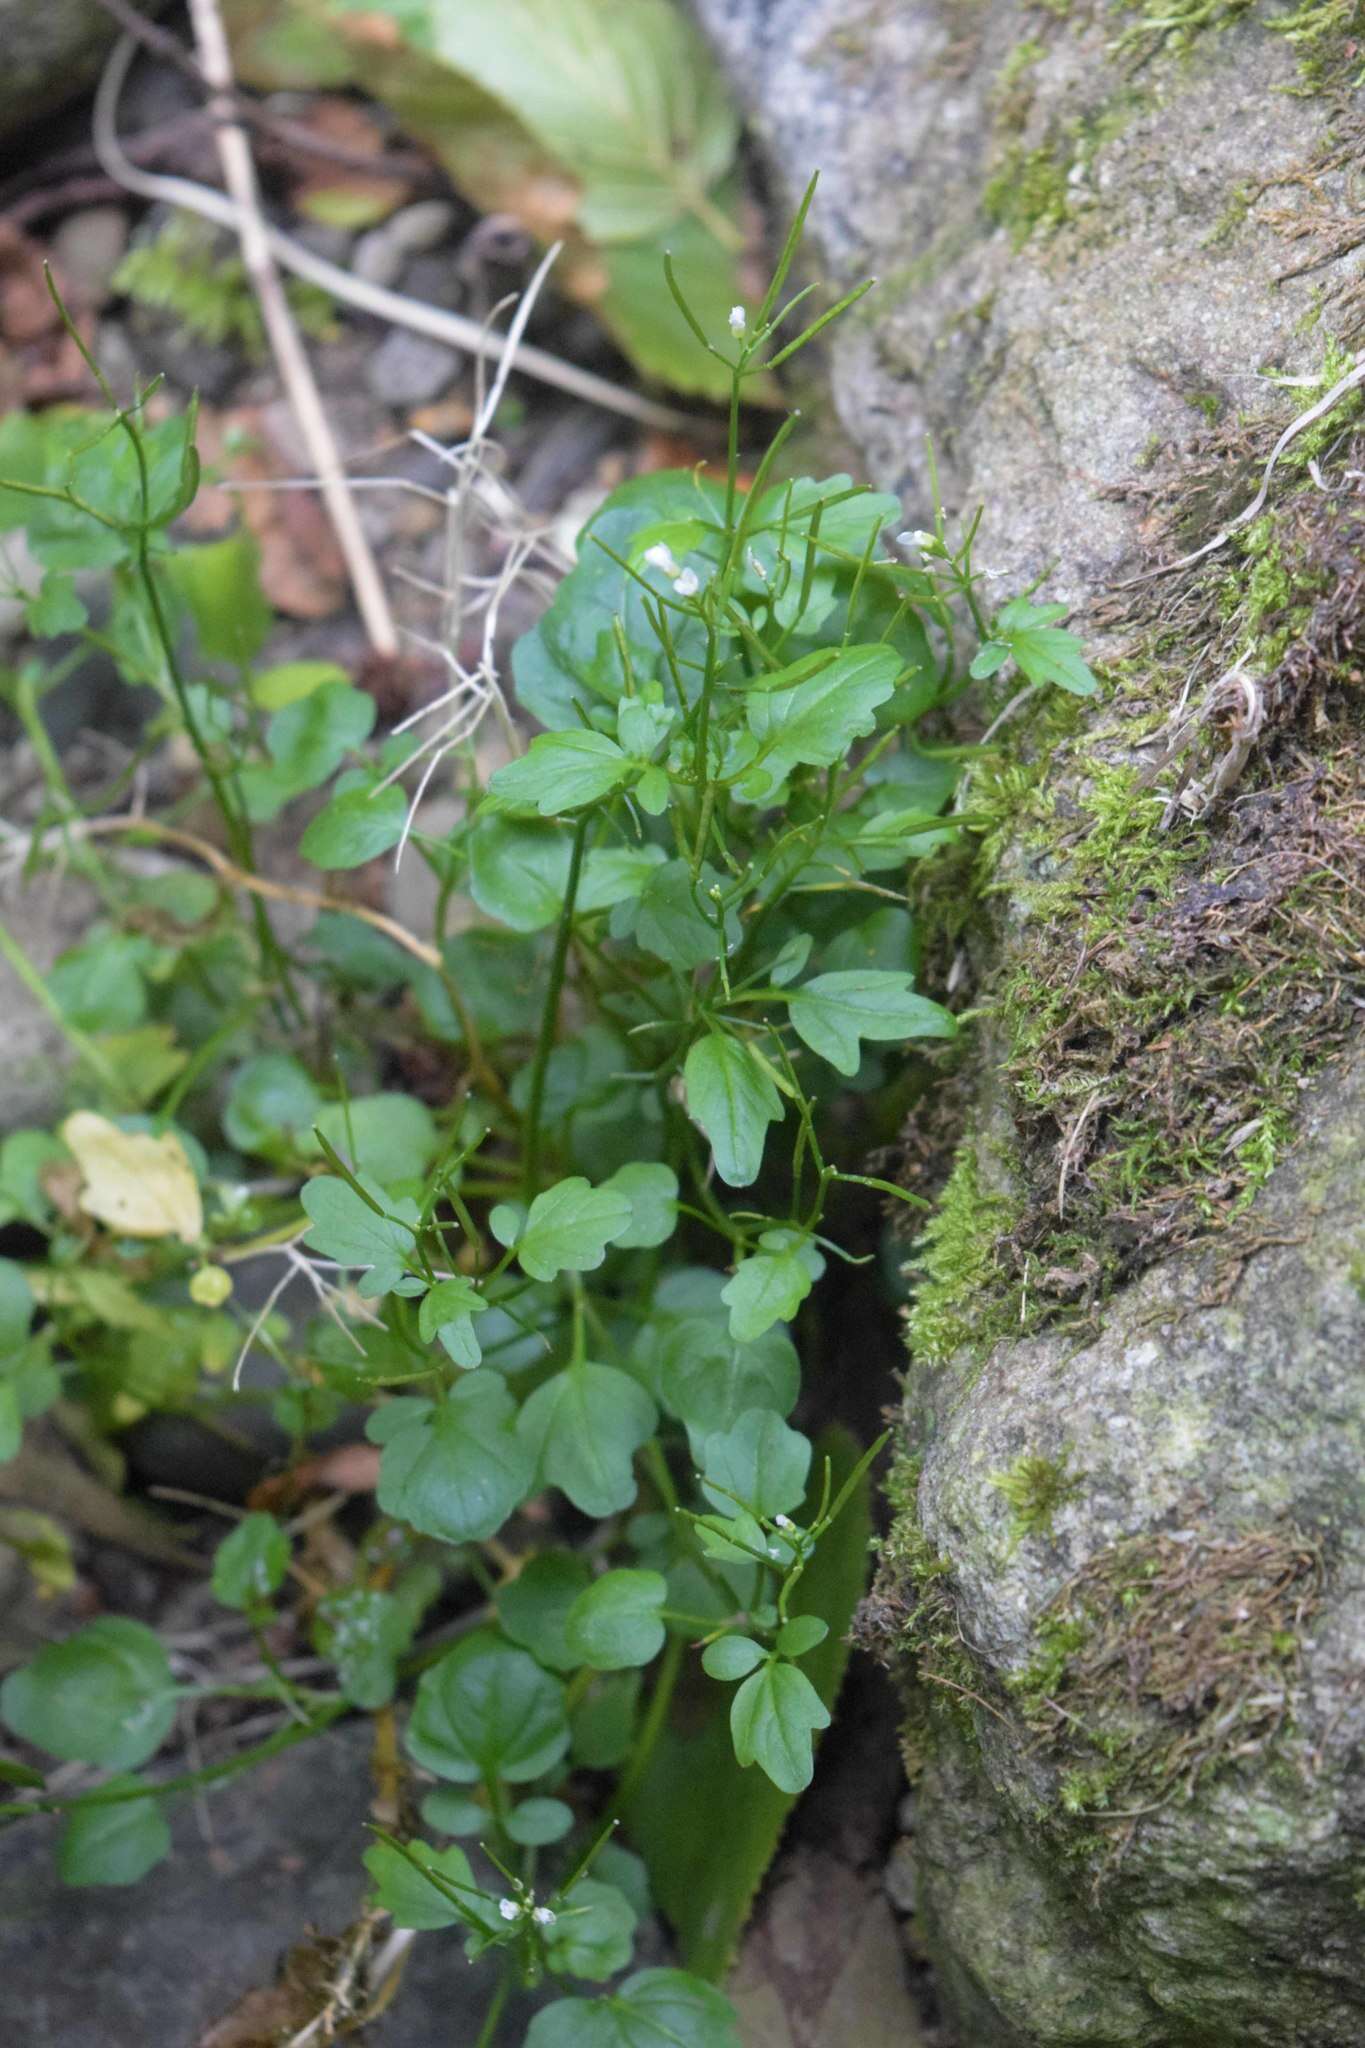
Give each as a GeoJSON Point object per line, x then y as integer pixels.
{"type": "Point", "coordinates": [1124, 1586]}
{"type": "Point", "coordinates": [52, 52]}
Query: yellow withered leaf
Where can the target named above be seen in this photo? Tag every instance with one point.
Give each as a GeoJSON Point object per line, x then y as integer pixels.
{"type": "Point", "coordinates": [138, 1185]}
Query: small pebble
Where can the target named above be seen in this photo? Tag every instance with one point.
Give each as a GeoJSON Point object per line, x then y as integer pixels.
{"type": "Point", "coordinates": [410, 369]}
{"type": "Point", "coordinates": [86, 251]}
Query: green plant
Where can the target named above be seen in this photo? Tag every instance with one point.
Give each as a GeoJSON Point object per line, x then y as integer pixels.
{"type": "Point", "coordinates": [683, 926]}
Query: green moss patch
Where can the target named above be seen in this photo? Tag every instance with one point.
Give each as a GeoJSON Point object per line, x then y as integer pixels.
{"type": "Point", "coordinates": [1166, 1659]}
{"type": "Point", "coordinates": [1171, 900]}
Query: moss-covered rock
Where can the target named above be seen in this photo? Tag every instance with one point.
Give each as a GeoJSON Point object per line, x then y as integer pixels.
{"type": "Point", "coordinates": [1124, 1586]}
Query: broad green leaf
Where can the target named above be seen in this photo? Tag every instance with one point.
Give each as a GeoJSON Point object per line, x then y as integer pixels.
{"type": "Point", "coordinates": [519, 870]}
{"type": "Point", "coordinates": [567, 1229]}
{"type": "Point", "coordinates": [583, 1427]}
{"type": "Point", "coordinates": [273, 688]}
{"type": "Point", "coordinates": [309, 739]}
{"type": "Point", "coordinates": [652, 2009]}
{"type": "Point", "coordinates": [104, 1696]}
{"type": "Point", "coordinates": [593, 1933]}
{"type": "Point", "coordinates": [363, 1631]}
{"type": "Point", "coordinates": [220, 582]}
{"type": "Point", "coordinates": [850, 514]}
{"type": "Point", "coordinates": [271, 1103]}
{"type": "Point", "coordinates": [773, 1718]}
{"type": "Point", "coordinates": [534, 1606]}
{"type": "Point", "coordinates": [614, 1623]}
{"type": "Point", "coordinates": [732, 1097]}
{"type": "Point", "coordinates": [23, 1157]}
{"type": "Point", "coordinates": [345, 1228]}
{"type": "Point", "coordinates": [835, 1011]}
{"type": "Point", "coordinates": [801, 1634]}
{"type": "Point", "coordinates": [537, 1822]}
{"type": "Point", "coordinates": [447, 1314]}
{"type": "Point", "coordinates": [604, 1720]}
{"type": "Point", "coordinates": [652, 1191]}
{"type": "Point", "coordinates": [732, 1657]}
{"type": "Point", "coordinates": [676, 920]}
{"type": "Point", "coordinates": [694, 1367]}
{"type": "Point", "coordinates": [707, 1853]}
{"type": "Point", "coordinates": [453, 1813]}
{"type": "Point", "coordinates": [487, 1710]}
{"type": "Point", "coordinates": [760, 1462]}
{"type": "Point", "coordinates": [770, 1285]}
{"type": "Point", "coordinates": [355, 827]}
{"type": "Point", "coordinates": [16, 1306]}
{"type": "Point", "coordinates": [114, 1843]}
{"type": "Point", "coordinates": [250, 1563]}
{"type": "Point", "coordinates": [810, 714]}
{"type": "Point", "coordinates": [99, 985]}
{"type": "Point", "coordinates": [1043, 651]}
{"type": "Point", "coordinates": [385, 1138]}
{"type": "Point", "coordinates": [457, 1470]}
{"type": "Point", "coordinates": [413, 1900]}
{"type": "Point", "coordinates": [563, 771]}
{"type": "Point", "coordinates": [571, 653]}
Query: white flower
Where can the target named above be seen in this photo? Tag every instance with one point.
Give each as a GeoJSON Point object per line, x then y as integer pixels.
{"type": "Point", "coordinates": [509, 1909]}
{"type": "Point", "coordinates": [757, 566]}
{"type": "Point", "coordinates": [687, 583]}
{"type": "Point", "coordinates": [738, 321]}
{"type": "Point", "coordinates": [660, 556]}
{"type": "Point", "coordinates": [784, 1521]}
{"type": "Point", "coordinates": [543, 1917]}
{"type": "Point", "coordinates": [917, 538]}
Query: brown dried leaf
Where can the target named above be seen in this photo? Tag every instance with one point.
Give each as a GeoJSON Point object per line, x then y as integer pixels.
{"type": "Point", "coordinates": [303, 574]}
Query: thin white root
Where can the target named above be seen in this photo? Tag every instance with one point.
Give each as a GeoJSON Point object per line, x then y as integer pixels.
{"type": "Point", "coordinates": [1339, 390]}
{"type": "Point", "coordinates": [291, 358]}
{"type": "Point", "coordinates": [457, 329]}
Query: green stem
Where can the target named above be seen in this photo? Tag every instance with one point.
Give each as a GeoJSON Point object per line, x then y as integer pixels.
{"type": "Point", "coordinates": [188, 1781]}
{"type": "Point", "coordinates": [488, 2032]}
{"type": "Point", "coordinates": [84, 1047]}
{"type": "Point", "coordinates": [652, 1727]}
{"type": "Point", "coordinates": [549, 1019]}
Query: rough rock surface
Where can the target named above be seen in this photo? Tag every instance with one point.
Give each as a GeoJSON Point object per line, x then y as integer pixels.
{"type": "Point", "coordinates": [1064, 268]}
{"type": "Point", "coordinates": [1078, 249]}
{"type": "Point", "coordinates": [51, 53]}
{"type": "Point", "coordinates": [1221, 1401]}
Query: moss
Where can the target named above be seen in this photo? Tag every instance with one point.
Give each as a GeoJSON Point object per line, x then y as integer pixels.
{"type": "Point", "coordinates": [1028, 192]}
{"type": "Point", "coordinates": [956, 1264]}
{"type": "Point", "coordinates": [910, 1622]}
{"type": "Point", "coordinates": [1035, 1488]}
{"type": "Point", "coordinates": [1164, 1661]}
{"type": "Point", "coordinates": [1173, 892]}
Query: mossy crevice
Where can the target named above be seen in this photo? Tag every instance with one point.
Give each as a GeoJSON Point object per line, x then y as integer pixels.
{"type": "Point", "coordinates": [1168, 1658]}
{"type": "Point", "coordinates": [1168, 903]}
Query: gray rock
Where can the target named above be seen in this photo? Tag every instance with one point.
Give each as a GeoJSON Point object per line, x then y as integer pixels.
{"type": "Point", "coordinates": [1076, 271]}
{"type": "Point", "coordinates": [87, 249]}
{"type": "Point", "coordinates": [1212, 1411]}
{"type": "Point", "coordinates": [269, 1856]}
{"type": "Point", "coordinates": [382, 254]}
{"type": "Point", "coordinates": [410, 369]}
{"type": "Point", "coordinates": [51, 53]}
{"type": "Point", "coordinates": [1042, 342]}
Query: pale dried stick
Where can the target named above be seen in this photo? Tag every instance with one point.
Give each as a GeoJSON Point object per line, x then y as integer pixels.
{"type": "Point", "coordinates": [291, 358]}
{"type": "Point", "coordinates": [456, 329]}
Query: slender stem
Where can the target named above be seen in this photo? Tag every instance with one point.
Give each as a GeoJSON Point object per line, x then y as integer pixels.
{"type": "Point", "coordinates": [549, 1019]}
{"type": "Point", "coordinates": [13, 952]}
{"type": "Point", "coordinates": [488, 2032]}
{"type": "Point", "coordinates": [188, 1781]}
{"type": "Point", "coordinates": [652, 1727]}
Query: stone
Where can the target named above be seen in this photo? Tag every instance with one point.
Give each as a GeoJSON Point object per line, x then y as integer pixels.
{"type": "Point", "coordinates": [1134, 1706]}
{"type": "Point", "coordinates": [86, 251]}
{"type": "Point", "coordinates": [1214, 1409]}
{"type": "Point", "coordinates": [1042, 345]}
{"type": "Point", "coordinates": [266, 1857]}
{"type": "Point", "coordinates": [409, 369]}
{"type": "Point", "coordinates": [51, 53]}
